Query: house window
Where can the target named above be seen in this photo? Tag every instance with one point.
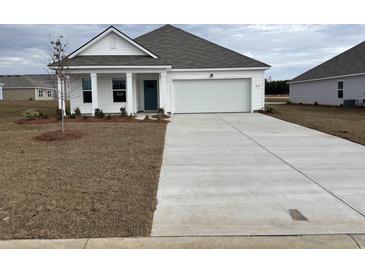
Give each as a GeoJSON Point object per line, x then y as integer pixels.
{"type": "Point", "coordinates": [340, 89]}
{"type": "Point", "coordinates": [49, 93]}
{"type": "Point", "coordinates": [86, 90]}
{"type": "Point", "coordinates": [40, 93]}
{"type": "Point", "coordinates": [119, 90]}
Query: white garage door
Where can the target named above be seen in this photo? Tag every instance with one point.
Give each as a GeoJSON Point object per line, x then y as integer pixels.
{"type": "Point", "coordinates": [228, 95]}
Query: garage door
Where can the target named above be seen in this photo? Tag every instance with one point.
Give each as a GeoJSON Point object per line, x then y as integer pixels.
{"type": "Point", "coordinates": [228, 95]}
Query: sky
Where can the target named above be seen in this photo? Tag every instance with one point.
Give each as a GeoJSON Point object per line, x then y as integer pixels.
{"type": "Point", "coordinates": [289, 49]}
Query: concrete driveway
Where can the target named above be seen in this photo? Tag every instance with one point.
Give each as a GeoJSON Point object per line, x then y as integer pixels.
{"type": "Point", "coordinates": [250, 174]}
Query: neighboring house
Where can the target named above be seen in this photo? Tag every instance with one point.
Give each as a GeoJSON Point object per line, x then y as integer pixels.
{"type": "Point", "coordinates": [29, 87]}
{"type": "Point", "coordinates": [1, 91]}
{"type": "Point", "coordinates": [338, 79]}
{"type": "Point", "coordinates": [166, 68]}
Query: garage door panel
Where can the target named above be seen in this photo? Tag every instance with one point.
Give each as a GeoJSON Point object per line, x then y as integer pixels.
{"type": "Point", "coordinates": [196, 96]}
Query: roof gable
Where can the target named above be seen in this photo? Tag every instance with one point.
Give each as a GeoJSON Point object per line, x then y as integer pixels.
{"type": "Point", "coordinates": [349, 62]}
{"type": "Point", "coordinates": [112, 42]}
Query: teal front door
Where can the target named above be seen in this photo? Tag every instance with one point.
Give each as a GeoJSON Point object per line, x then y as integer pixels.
{"type": "Point", "coordinates": [150, 95]}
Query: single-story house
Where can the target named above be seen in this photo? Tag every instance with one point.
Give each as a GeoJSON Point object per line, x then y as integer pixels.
{"type": "Point", "coordinates": [29, 87]}
{"type": "Point", "coordinates": [166, 68]}
{"type": "Point", "coordinates": [1, 91]}
{"type": "Point", "coordinates": [338, 79]}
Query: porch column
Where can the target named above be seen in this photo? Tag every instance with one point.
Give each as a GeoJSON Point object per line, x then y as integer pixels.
{"type": "Point", "coordinates": [129, 87]}
{"type": "Point", "coordinates": [60, 89]}
{"type": "Point", "coordinates": [162, 89]}
{"type": "Point", "coordinates": [94, 92]}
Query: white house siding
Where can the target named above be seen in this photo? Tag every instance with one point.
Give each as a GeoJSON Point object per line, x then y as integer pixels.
{"type": "Point", "coordinates": [255, 76]}
{"type": "Point", "coordinates": [1, 92]}
{"type": "Point", "coordinates": [112, 44]}
{"type": "Point", "coordinates": [325, 92]}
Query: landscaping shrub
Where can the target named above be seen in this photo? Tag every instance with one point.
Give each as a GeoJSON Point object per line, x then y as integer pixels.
{"type": "Point", "coordinates": [85, 118]}
{"type": "Point", "coordinates": [108, 117]}
{"type": "Point", "coordinates": [44, 115]}
{"type": "Point", "coordinates": [316, 103]}
{"type": "Point", "coordinates": [147, 117]}
{"type": "Point", "coordinates": [77, 111]}
{"type": "Point", "coordinates": [31, 114]}
{"type": "Point", "coordinates": [161, 111]}
{"type": "Point", "coordinates": [123, 112]}
{"type": "Point", "coordinates": [59, 114]}
{"type": "Point", "coordinates": [99, 113]}
{"type": "Point", "coordinates": [72, 116]}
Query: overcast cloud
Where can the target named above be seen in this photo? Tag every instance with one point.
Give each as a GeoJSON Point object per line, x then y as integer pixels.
{"type": "Point", "coordinates": [289, 49]}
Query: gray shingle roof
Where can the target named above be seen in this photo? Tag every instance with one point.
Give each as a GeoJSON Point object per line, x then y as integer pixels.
{"type": "Point", "coordinates": [28, 81]}
{"type": "Point", "coordinates": [349, 62]}
{"type": "Point", "coordinates": [177, 48]}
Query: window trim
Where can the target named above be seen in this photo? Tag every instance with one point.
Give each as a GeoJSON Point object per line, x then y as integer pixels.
{"type": "Point", "coordinates": [340, 90]}
{"type": "Point", "coordinates": [40, 93]}
{"type": "Point", "coordinates": [86, 90]}
{"type": "Point", "coordinates": [49, 93]}
{"type": "Point", "coordinates": [116, 90]}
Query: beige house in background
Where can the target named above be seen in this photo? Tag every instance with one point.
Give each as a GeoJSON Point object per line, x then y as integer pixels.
{"type": "Point", "coordinates": [36, 87]}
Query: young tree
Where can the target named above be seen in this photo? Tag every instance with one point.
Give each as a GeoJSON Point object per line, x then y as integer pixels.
{"type": "Point", "coordinates": [58, 58]}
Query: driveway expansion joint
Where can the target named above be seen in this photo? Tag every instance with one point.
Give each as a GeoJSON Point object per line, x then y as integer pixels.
{"type": "Point", "coordinates": [290, 165]}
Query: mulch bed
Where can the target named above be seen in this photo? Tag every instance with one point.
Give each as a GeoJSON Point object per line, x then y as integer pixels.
{"type": "Point", "coordinates": [87, 119]}
{"type": "Point", "coordinates": [58, 135]}
{"type": "Point", "coordinates": [159, 116]}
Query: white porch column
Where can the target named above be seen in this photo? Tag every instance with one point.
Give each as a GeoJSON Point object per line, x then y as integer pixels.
{"type": "Point", "coordinates": [130, 97]}
{"type": "Point", "coordinates": [162, 89]}
{"type": "Point", "coordinates": [61, 89]}
{"type": "Point", "coordinates": [94, 92]}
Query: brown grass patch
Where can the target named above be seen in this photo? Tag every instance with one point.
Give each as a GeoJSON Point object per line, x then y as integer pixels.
{"type": "Point", "coordinates": [58, 135]}
{"type": "Point", "coordinates": [346, 123]}
{"type": "Point", "coordinates": [102, 185]}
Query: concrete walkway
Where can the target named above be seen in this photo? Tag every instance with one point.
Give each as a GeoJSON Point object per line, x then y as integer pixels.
{"type": "Point", "coordinates": [306, 241]}
{"type": "Point", "coordinates": [250, 174]}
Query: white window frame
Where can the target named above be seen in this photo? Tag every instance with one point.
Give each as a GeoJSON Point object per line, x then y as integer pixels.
{"type": "Point", "coordinates": [125, 89]}
{"type": "Point", "coordinates": [340, 89]}
{"type": "Point", "coordinates": [40, 93]}
{"type": "Point", "coordinates": [49, 93]}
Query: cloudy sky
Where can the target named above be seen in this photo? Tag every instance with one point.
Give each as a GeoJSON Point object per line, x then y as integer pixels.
{"type": "Point", "coordinates": [289, 49]}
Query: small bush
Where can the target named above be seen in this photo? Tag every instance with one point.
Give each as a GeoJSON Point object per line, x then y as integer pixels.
{"type": "Point", "coordinates": [72, 116]}
{"type": "Point", "coordinates": [85, 118]}
{"type": "Point", "coordinates": [131, 116]}
{"type": "Point", "coordinates": [147, 117]}
{"type": "Point", "coordinates": [269, 109]}
{"type": "Point", "coordinates": [59, 114]}
{"type": "Point", "coordinates": [44, 115]}
{"type": "Point", "coordinates": [316, 103]}
{"type": "Point", "coordinates": [77, 111]}
{"type": "Point", "coordinates": [67, 112]}
{"type": "Point", "coordinates": [108, 117]}
{"type": "Point", "coordinates": [99, 113]}
{"type": "Point", "coordinates": [31, 114]}
{"type": "Point", "coordinates": [161, 111]}
{"type": "Point", "coordinates": [123, 112]}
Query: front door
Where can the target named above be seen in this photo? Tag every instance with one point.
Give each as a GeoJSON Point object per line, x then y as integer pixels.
{"type": "Point", "coordinates": [150, 95]}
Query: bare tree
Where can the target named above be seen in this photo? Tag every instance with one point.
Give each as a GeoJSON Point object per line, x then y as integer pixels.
{"type": "Point", "coordinates": [58, 58]}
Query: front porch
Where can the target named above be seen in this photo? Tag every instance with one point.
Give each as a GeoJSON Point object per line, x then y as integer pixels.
{"type": "Point", "coordinates": [109, 91]}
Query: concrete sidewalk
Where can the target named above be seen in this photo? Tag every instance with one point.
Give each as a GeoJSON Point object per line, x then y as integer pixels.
{"type": "Point", "coordinates": [234, 242]}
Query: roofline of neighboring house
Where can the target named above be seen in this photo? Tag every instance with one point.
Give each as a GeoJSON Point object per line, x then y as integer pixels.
{"type": "Point", "coordinates": [26, 87]}
{"type": "Point", "coordinates": [105, 32]}
{"type": "Point", "coordinates": [327, 78]}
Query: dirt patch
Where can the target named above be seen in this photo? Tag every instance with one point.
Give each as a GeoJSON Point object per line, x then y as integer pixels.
{"type": "Point", "coordinates": [346, 123]}
{"type": "Point", "coordinates": [58, 135]}
{"type": "Point", "coordinates": [102, 185]}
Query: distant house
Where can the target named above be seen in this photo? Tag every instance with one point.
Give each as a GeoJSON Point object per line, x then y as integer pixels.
{"type": "Point", "coordinates": [28, 87]}
{"type": "Point", "coordinates": [338, 79]}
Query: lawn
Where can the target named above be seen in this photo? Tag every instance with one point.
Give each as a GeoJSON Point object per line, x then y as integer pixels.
{"type": "Point", "coordinates": [102, 185]}
{"type": "Point", "coordinates": [345, 123]}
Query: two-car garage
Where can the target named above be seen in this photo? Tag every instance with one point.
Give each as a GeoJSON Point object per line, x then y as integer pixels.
{"type": "Point", "coordinates": [211, 95]}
